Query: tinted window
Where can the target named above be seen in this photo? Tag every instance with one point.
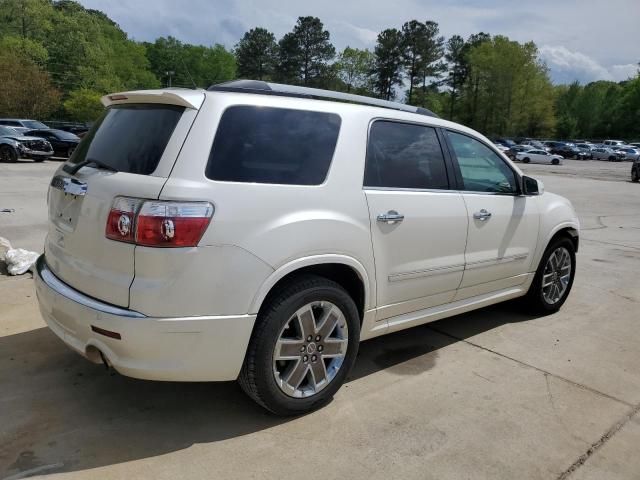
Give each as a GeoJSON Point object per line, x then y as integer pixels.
{"type": "Point", "coordinates": [33, 124]}
{"type": "Point", "coordinates": [130, 138]}
{"type": "Point", "coordinates": [273, 145]}
{"type": "Point", "coordinates": [482, 169]}
{"type": "Point", "coordinates": [401, 155]}
{"type": "Point", "coordinates": [9, 122]}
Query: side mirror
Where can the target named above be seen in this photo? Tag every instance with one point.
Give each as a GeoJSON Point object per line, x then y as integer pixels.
{"type": "Point", "coordinates": [531, 186]}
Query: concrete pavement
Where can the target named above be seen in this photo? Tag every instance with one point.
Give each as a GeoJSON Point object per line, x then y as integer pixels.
{"type": "Point", "coordinates": [489, 394]}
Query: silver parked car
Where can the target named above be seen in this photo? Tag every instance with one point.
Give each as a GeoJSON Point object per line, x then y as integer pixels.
{"type": "Point", "coordinates": [604, 153]}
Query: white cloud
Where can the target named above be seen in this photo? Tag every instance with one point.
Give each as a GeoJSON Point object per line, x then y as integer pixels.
{"type": "Point", "coordinates": [584, 40]}
{"type": "Point", "coordinates": [568, 65]}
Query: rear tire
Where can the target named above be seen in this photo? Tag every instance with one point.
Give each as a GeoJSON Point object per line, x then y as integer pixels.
{"type": "Point", "coordinates": [268, 378]}
{"type": "Point", "coordinates": [8, 154]}
{"type": "Point", "coordinates": [634, 175]}
{"type": "Point", "coordinates": [555, 161]}
{"type": "Point", "coordinates": [70, 151]}
{"type": "Point", "coordinates": [550, 289]}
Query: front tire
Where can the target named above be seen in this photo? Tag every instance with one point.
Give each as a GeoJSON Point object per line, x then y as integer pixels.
{"type": "Point", "coordinates": [555, 161]}
{"type": "Point", "coordinates": [526, 160]}
{"type": "Point", "coordinates": [303, 346]}
{"type": "Point", "coordinates": [8, 154]}
{"type": "Point", "coordinates": [634, 175]}
{"type": "Point", "coordinates": [554, 277]}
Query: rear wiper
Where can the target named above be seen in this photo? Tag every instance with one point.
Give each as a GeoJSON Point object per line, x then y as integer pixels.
{"type": "Point", "coordinates": [73, 168]}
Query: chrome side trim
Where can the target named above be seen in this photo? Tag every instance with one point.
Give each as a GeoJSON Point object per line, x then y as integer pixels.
{"type": "Point", "coordinates": [396, 277]}
{"type": "Point", "coordinates": [496, 261]}
{"type": "Point", "coordinates": [66, 291]}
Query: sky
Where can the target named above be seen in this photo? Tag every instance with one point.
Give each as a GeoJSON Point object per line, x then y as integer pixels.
{"type": "Point", "coordinates": [579, 40]}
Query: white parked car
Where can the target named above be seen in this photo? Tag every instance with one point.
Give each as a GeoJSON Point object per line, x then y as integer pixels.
{"type": "Point", "coordinates": [539, 156]}
{"type": "Point", "coordinates": [259, 233]}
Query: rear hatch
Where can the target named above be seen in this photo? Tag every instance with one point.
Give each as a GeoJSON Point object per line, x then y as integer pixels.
{"type": "Point", "coordinates": [129, 151]}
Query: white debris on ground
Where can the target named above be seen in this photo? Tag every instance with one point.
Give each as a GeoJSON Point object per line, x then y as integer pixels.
{"type": "Point", "coordinates": [18, 260]}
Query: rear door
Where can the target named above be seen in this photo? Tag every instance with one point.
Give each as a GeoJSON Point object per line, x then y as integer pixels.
{"type": "Point", "coordinates": [418, 224]}
{"type": "Point", "coordinates": [139, 142]}
{"type": "Point", "coordinates": [503, 225]}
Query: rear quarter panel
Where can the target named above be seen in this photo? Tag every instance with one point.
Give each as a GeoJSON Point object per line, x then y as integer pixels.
{"type": "Point", "coordinates": [280, 224]}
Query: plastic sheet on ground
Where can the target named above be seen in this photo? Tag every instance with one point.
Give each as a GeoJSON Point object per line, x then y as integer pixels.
{"type": "Point", "coordinates": [18, 260]}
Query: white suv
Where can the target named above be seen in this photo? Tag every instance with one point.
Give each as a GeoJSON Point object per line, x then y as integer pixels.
{"type": "Point", "coordinates": [257, 232]}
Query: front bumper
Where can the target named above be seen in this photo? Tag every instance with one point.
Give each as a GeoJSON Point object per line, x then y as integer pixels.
{"type": "Point", "coordinates": [28, 153]}
{"type": "Point", "coordinates": [210, 348]}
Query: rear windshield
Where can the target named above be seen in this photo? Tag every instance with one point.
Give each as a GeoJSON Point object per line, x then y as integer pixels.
{"type": "Point", "coordinates": [130, 138]}
{"type": "Point", "coordinates": [273, 145]}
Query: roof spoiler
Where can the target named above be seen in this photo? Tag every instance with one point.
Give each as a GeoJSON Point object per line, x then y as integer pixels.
{"type": "Point", "coordinates": [184, 98]}
{"type": "Point", "coordinates": [268, 88]}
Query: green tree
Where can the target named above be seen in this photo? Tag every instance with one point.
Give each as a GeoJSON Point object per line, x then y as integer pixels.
{"type": "Point", "coordinates": [257, 54]}
{"type": "Point", "coordinates": [182, 65]}
{"type": "Point", "coordinates": [26, 89]}
{"type": "Point", "coordinates": [388, 62]}
{"type": "Point", "coordinates": [509, 89]}
{"type": "Point", "coordinates": [456, 52]}
{"type": "Point", "coordinates": [355, 68]}
{"type": "Point", "coordinates": [305, 53]}
{"type": "Point", "coordinates": [83, 105]}
{"type": "Point", "coordinates": [422, 52]}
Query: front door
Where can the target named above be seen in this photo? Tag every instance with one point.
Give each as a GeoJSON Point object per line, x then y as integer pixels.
{"type": "Point", "coordinates": [503, 225]}
{"type": "Point", "coordinates": [418, 225]}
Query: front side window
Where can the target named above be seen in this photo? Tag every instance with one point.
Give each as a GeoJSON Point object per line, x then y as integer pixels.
{"type": "Point", "coordinates": [403, 155]}
{"type": "Point", "coordinates": [273, 145]}
{"type": "Point", "coordinates": [481, 168]}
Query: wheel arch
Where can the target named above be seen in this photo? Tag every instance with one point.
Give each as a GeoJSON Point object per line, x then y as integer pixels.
{"type": "Point", "coordinates": [342, 269]}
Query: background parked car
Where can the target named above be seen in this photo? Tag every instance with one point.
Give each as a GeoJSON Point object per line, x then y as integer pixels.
{"type": "Point", "coordinates": [586, 148]}
{"type": "Point", "coordinates": [26, 123]}
{"type": "Point", "coordinates": [14, 145]}
{"type": "Point", "coordinates": [63, 143]}
{"type": "Point", "coordinates": [513, 151]}
{"type": "Point", "coordinates": [613, 143]}
{"type": "Point", "coordinates": [539, 156]}
{"type": "Point", "coordinates": [604, 153]}
{"type": "Point", "coordinates": [631, 154]}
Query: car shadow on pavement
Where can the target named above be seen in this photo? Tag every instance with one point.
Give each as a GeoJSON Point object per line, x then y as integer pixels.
{"type": "Point", "coordinates": [58, 412]}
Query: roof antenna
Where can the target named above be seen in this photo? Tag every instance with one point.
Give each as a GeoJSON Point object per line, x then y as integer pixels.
{"type": "Point", "coordinates": [189, 73]}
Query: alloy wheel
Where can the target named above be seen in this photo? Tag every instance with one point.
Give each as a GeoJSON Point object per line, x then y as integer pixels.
{"type": "Point", "coordinates": [310, 349]}
{"type": "Point", "coordinates": [556, 275]}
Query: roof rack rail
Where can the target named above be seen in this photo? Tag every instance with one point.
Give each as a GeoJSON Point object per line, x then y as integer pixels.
{"type": "Point", "coordinates": [267, 88]}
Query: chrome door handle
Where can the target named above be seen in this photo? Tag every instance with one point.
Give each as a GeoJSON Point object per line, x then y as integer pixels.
{"type": "Point", "coordinates": [390, 217]}
{"type": "Point", "coordinates": [482, 215]}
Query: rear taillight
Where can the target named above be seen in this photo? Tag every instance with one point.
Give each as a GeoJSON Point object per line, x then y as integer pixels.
{"type": "Point", "coordinates": [158, 223]}
{"type": "Point", "coordinates": [122, 219]}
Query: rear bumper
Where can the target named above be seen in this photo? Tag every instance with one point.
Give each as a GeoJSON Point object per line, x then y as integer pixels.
{"type": "Point", "coordinates": [207, 348]}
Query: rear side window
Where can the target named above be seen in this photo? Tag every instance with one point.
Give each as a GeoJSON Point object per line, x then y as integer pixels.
{"type": "Point", "coordinates": [273, 145]}
{"type": "Point", "coordinates": [403, 155]}
{"type": "Point", "coordinates": [130, 138]}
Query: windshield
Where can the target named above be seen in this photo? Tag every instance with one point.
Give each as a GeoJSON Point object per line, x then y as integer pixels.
{"type": "Point", "coordinates": [130, 138]}
{"type": "Point", "coordinates": [8, 132]}
{"type": "Point", "coordinates": [33, 124]}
